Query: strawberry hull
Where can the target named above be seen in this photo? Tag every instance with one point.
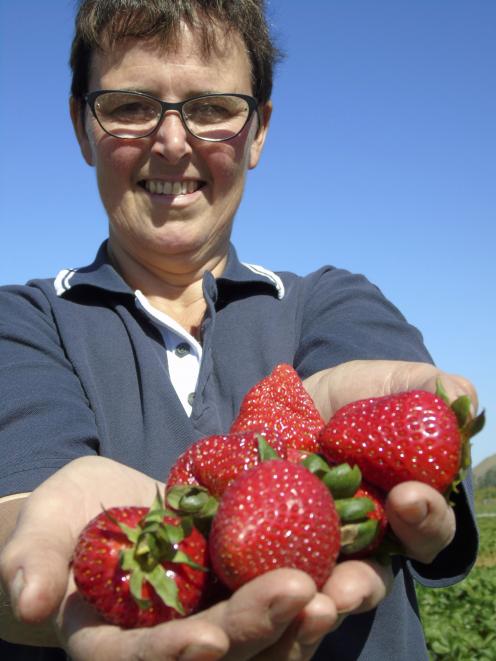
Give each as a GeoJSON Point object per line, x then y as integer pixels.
{"type": "Point", "coordinates": [106, 585]}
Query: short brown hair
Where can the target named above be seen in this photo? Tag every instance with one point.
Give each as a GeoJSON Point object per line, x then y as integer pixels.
{"type": "Point", "coordinates": [101, 23]}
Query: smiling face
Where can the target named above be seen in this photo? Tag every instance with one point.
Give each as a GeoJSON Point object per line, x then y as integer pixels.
{"type": "Point", "coordinates": [170, 195]}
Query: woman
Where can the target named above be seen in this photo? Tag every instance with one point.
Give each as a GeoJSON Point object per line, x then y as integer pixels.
{"type": "Point", "coordinates": [112, 370]}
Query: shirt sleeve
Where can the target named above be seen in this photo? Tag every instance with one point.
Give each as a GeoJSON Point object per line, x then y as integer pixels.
{"type": "Point", "coordinates": [45, 419]}
{"type": "Point", "coordinates": [345, 317]}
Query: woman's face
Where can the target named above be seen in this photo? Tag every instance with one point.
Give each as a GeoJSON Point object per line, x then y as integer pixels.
{"type": "Point", "coordinates": [192, 224]}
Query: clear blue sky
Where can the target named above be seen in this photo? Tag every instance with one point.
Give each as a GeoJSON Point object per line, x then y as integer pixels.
{"type": "Point", "coordinates": [381, 159]}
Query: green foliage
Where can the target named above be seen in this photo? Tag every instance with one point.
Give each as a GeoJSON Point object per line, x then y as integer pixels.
{"type": "Point", "coordinates": [460, 621]}
{"type": "Point", "coordinates": [488, 479]}
{"type": "Point", "coordinates": [485, 500]}
{"type": "Point", "coordinates": [487, 545]}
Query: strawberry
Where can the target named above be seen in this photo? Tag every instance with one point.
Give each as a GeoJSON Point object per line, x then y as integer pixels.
{"type": "Point", "coordinates": [277, 514]}
{"type": "Point", "coordinates": [214, 461]}
{"type": "Point", "coordinates": [141, 566]}
{"type": "Point", "coordinates": [414, 435]}
{"type": "Point", "coordinates": [280, 405]}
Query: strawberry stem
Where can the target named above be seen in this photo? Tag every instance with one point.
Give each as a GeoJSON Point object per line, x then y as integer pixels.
{"type": "Point", "coordinates": [153, 541]}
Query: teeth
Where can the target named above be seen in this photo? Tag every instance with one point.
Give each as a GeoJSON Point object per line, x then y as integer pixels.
{"type": "Point", "coordinates": [171, 187]}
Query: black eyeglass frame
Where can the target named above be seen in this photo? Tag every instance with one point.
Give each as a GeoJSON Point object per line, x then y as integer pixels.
{"type": "Point", "coordinates": [253, 106]}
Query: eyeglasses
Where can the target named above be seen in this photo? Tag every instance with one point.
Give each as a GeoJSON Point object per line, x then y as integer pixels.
{"type": "Point", "coordinates": [212, 117]}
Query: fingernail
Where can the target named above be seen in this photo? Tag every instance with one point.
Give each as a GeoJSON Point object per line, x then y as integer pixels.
{"type": "Point", "coordinates": [16, 588]}
{"type": "Point", "coordinates": [414, 513]}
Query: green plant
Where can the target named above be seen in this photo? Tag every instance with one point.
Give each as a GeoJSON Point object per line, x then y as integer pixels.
{"type": "Point", "coordinates": [460, 621]}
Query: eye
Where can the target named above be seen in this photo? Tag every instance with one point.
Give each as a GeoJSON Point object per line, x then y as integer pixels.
{"type": "Point", "coordinates": [126, 108]}
{"type": "Point", "coordinates": [208, 112]}
{"type": "Point", "coordinates": [215, 110]}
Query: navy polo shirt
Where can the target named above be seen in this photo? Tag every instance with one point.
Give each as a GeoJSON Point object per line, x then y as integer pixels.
{"type": "Point", "coordinates": [84, 371]}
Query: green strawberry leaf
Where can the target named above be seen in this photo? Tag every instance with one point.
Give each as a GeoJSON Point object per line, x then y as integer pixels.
{"type": "Point", "coordinates": [165, 587]}
{"type": "Point", "coordinates": [158, 503]}
{"type": "Point", "coordinates": [316, 465]}
{"type": "Point", "coordinates": [136, 585]}
{"type": "Point", "coordinates": [129, 564]}
{"type": "Point", "coordinates": [172, 534]}
{"type": "Point", "coordinates": [441, 392]}
{"type": "Point", "coordinates": [343, 480]}
{"type": "Point", "coordinates": [192, 499]}
{"type": "Point", "coordinates": [265, 451]}
{"type": "Point", "coordinates": [475, 425]}
{"type": "Point", "coordinates": [187, 525]}
{"type": "Point", "coordinates": [184, 559]}
{"type": "Point", "coordinates": [353, 509]}
{"type": "Point", "coordinates": [155, 516]}
{"type": "Point", "coordinates": [132, 534]}
{"type": "Point", "coordinates": [357, 536]}
{"type": "Point", "coordinates": [461, 408]}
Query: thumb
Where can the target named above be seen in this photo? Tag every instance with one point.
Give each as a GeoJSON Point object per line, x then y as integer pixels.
{"type": "Point", "coordinates": [34, 563]}
{"type": "Point", "coordinates": [421, 518]}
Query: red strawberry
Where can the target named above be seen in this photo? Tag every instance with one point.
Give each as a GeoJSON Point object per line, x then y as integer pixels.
{"type": "Point", "coordinates": [276, 515]}
{"type": "Point", "coordinates": [408, 436]}
{"type": "Point", "coordinates": [279, 404]}
{"type": "Point", "coordinates": [139, 567]}
{"type": "Point", "coordinates": [372, 524]}
{"type": "Point", "coordinates": [215, 461]}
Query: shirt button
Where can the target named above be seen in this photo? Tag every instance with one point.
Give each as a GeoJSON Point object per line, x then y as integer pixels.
{"type": "Point", "coordinates": [191, 398]}
{"type": "Point", "coordinates": [182, 349]}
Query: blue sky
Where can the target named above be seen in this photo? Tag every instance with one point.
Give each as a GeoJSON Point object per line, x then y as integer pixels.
{"type": "Point", "coordinates": [381, 159]}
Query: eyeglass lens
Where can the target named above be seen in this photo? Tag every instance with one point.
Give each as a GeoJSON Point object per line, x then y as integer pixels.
{"type": "Point", "coordinates": [212, 117]}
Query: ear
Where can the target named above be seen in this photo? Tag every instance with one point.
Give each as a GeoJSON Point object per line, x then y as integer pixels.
{"type": "Point", "coordinates": [259, 139]}
{"type": "Point", "coordinates": [77, 110]}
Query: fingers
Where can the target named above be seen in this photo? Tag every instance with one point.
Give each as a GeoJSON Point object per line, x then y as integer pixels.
{"type": "Point", "coordinates": [258, 615]}
{"type": "Point", "coordinates": [421, 518]}
{"type": "Point", "coordinates": [85, 636]}
{"type": "Point", "coordinates": [302, 637]}
{"type": "Point", "coordinates": [334, 387]}
{"type": "Point", "coordinates": [356, 586]}
{"type": "Point", "coordinates": [34, 564]}
{"type": "Point", "coordinates": [454, 385]}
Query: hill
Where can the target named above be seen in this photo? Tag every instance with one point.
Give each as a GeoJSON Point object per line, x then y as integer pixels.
{"type": "Point", "coordinates": [485, 473]}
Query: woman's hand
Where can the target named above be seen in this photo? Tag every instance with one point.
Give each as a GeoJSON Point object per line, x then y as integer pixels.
{"type": "Point", "coordinates": [277, 616]}
{"type": "Point", "coordinates": [334, 387]}
{"type": "Point", "coordinates": [275, 609]}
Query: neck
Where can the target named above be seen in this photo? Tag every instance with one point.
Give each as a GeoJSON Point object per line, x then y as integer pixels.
{"type": "Point", "coordinates": [171, 285]}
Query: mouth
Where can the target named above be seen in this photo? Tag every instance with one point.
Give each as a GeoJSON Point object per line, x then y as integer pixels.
{"type": "Point", "coordinates": [162, 187]}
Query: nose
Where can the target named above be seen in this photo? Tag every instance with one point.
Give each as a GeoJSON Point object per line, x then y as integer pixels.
{"type": "Point", "coordinates": [171, 139]}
